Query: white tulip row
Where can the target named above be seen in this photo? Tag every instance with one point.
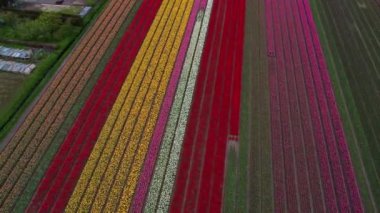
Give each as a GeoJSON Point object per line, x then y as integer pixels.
{"type": "Point", "coordinates": [167, 162]}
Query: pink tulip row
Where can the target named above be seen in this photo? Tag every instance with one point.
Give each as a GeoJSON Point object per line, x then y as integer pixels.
{"type": "Point", "coordinates": [309, 147]}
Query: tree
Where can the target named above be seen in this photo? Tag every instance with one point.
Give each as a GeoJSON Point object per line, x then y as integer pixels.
{"type": "Point", "coordinates": [10, 19]}
{"type": "Point", "coordinates": [3, 3]}
{"type": "Point", "coordinates": [47, 27]}
{"type": "Point", "coordinates": [6, 3]}
{"type": "Point", "coordinates": [65, 30]}
{"type": "Point", "coordinates": [49, 21]}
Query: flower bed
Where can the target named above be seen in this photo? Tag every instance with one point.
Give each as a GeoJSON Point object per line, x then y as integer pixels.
{"type": "Point", "coordinates": [201, 170]}
{"type": "Point", "coordinates": [121, 142]}
{"type": "Point", "coordinates": [21, 156]}
{"type": "Point", "coordinates": [80, 139]}
{"type": "Point", "coordinates": [310, 160]}
{"type": "Point", "coordinates": [165, 169]}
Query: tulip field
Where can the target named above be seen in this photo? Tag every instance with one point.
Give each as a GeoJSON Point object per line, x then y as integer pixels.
{"type": "Point", "coordinates": [206, 106]}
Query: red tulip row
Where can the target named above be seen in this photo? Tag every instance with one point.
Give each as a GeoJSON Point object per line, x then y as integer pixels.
{"type": "Point", "coordinates": [214, 113]}
{"type": "Point", "coordinates": [65, 169]}
{"type": "Point", "coordinates": [310, 155]}
{"type": "Point", "coordinates": [32, 139]}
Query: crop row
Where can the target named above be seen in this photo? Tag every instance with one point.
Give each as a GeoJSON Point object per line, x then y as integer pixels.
{"type": "Point", "coordinates": [147, 79]}
{"type": "Point", "coordinates": [356, 51]}
{"type": "Point", "coordinates": [75, 59]}
{"type": "Point", "coordinates": [292, 74]}
{"type": "Point", "coordinates": [227, 112]}
{"type": "Point", "coordinates": [142, 147]}
{"type": "Point", "coordinates": [29, 152]}
{"type": "Point", "coordinates": [349, 51]}
{"type": "Point", "coordinates": [61, 174]}
{"type": "Point", "coordinates": [342, 147]}
{"type": "Point", "coordinates": [96, 164]}
{"type": "Point", "coordinates": [165, 169]}
{"type": "Point", "coordinates": [146, 173]}
{"type": "Point", "coordinates": [282, 74]}
{"type": "Point", "coordinates": [201, 172]}
{"type": "Point", "coordinates": [92, 163]}
{"type": "Point", "coordinates": [142, 89]}
{"type": "Point", "coordinates": [31, 116]}
{"type": "Point", "coordinates": [313, 191]}
{"type": "Point", "coordinates": [291, 134]}
{"type": "Point", "coordinates": [212, 41]}
{"type": "Point", "coordinates": [317, 123]}
{"type": "Point", "coordinates": [356, 44]}
{"type": "Point", "coordinates": [54, 84]}
{"type": "Point", "coordinates": [248, 183]}
{"type": "Point", "coordinates": [145, 176]}
{"type": "Point", "coordinates": [289, 112]}
{"type": "Point", "coordinates": [177, 36]}
{"type": "Point", "coordinates": [13, 157]}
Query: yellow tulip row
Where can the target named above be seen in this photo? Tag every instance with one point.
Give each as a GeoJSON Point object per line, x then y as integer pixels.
{"type": "Point", "coordinates": [98, 161]}
{"type": "Point", "coordinates": [163, 179]}
{"type": "Point", "coordinates": [155, 102]}
{"type": "Point", "coordinates": [108, 169]}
